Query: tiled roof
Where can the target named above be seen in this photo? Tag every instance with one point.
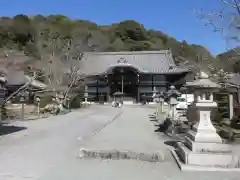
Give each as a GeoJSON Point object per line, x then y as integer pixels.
{"type": "Point", "coordinates": [234, 78]}
{"type": "Point", "coordinates": [156, 62]}
{"type": "Point", "coordinates": [203, 82]}
{"type": "Point", "coordinates": [15, 78]}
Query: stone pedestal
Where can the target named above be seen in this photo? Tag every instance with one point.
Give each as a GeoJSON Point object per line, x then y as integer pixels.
{"type": "Point", "coordinates": [203, 148]}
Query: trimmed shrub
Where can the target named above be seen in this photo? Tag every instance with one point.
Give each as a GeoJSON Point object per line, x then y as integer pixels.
{"type": "Point", "coordinates": [3, 112]}
{"type": "Point", "coordinates": [45, 100]}
{"type": "Point", "coordinates": [216, 116]}
{"type": "Point", "coordinates": [75, 102]}
{"type": "Point", "coordinates": [235, 122]}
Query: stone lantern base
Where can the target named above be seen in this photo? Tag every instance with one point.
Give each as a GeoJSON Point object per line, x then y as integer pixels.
{"type": "Point", "coordinates": [219, 158]}
{"type": "Point", "coordinates": [205, 156]}
{"type": "Point", "coordinates": [203, 149]}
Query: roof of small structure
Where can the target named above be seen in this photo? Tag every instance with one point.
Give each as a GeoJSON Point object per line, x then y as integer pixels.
{"type": "Point", "coordinates": [203, 82]}
{"type": "Point", "coordinates": [2, 79]}
{"type": "Point", "coordinates": [173, 91]}
{"type": "Point", "coordinates": [15, 78]}
{"type": "Point", "coordinates": [234, 78]}
{"type": "Point", "coordinates": [155, 62]}
{"type": "Point", "coordinates": [118, 94]}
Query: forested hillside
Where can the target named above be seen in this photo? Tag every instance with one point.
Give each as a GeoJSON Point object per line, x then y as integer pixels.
{"type": "Point", "coordinates": [230, 60]}
{"type": "Point", "coordinates": [40, 35]}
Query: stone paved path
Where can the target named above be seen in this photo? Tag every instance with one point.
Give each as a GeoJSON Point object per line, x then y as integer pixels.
{"type": "Point", "coordinates": [132, 130]}
{"type": "Point", "coordinates": [49, 149]}
{"type": "Point", "coordinates": [31, 153]}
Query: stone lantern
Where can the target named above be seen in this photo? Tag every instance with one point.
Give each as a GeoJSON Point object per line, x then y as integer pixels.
{"type": "Point", "coordinates": [172, 95]}
{"type": "Point", "coordinates": [68, 102]}
{"type": "Point", "coordinates": [203, 148]}
{"type": "Point", "coordinates": [54, 99]}
{"type": "Point", "coordinates": [61, 98]}
{"type": "Point", "coordinates": [155, 92]}
{"type": "Point", "coordinates": [155, 98]}
{"type": "Point", "coordinates": [37, 99]}
{"type": "Point", "coordinates": [203, 89]}
{"type": "Point", "coordinates": [161, 101]}
{"type": "Point", "coordinates": [86, 95]}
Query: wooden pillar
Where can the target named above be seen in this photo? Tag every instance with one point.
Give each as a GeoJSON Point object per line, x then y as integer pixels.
{"type": "Point", "coordinates": [231, 113]}
{"type": "Point", "coordinates": [97, 88]}
{"type": "Point", "coordinates": [152, 83]}
{"type": "Point", "coordinates": [138, 92]}
{"type": "Point", "coordinates": [238, 94]}
{"type": "Point", "coordinates": [107, 88]}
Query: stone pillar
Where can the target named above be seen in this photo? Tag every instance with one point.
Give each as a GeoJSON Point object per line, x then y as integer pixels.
{"type": "Point", "coordinates": [161, 101]}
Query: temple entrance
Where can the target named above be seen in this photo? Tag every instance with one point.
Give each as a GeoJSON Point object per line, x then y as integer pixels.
{"type": "Point", "coordinates": [124, 79]}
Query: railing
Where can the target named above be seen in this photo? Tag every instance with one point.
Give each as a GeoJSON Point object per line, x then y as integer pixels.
{"type": "Point", "coordinates": [14, 112]}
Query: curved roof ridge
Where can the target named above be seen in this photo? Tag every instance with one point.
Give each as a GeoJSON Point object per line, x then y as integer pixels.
{"type": "Point", "coordinates": [129, 52]}
{"type": "Point", "coordinates": [156, 62]}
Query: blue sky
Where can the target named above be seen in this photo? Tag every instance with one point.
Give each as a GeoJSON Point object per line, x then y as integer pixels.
{"type": "Point", "coordinates": [173, 17]}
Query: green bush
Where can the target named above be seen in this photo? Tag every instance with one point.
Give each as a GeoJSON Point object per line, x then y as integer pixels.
{"type": "Point", "coordinates": [75, 102]}
{"type": "Point", "coordinates": [45, 100]}
{"type": "Point", "coordinates": [235, 122]}
{"type": "Point", "coordinates": [217, 116]}
{"type": "Point", "coordinates": [3, 112]}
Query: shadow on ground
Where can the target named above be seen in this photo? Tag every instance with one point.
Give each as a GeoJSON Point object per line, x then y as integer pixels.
{"type": "Point", "coordinates": [153, 119]}
{"type": "Point", "coordinates": [162, 127]}
{"type": "Point", "coordinates": [166, 129]}
{"type": "Point", "coordinates": [172, 143]}
{"type": "Point", "coordinates": [7, 129]}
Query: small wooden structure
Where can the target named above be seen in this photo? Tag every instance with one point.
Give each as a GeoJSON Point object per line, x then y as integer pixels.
{"type": "Point", "coordinates": [228, 100]}
{"type": "Point", "coordinates": [118, 97]}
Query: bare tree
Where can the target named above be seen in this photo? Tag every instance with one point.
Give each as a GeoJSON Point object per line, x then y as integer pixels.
{"type": "Point", "coordinates": [75, 53]}
{"type": "Point", "coordinates": [225, 21]}
{"type": "Point", "coordinates": [60, 61]}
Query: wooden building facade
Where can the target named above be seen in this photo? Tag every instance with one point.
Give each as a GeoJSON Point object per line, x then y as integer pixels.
{"type": "Point", "coordinates": [133, 73]}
